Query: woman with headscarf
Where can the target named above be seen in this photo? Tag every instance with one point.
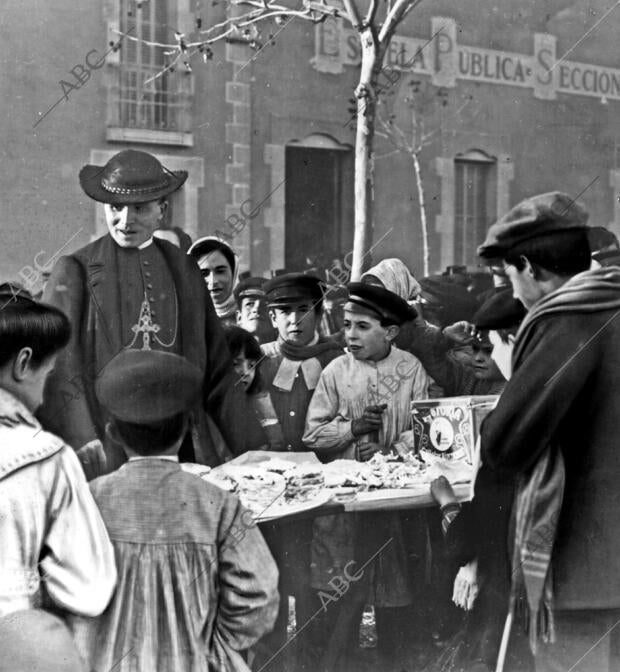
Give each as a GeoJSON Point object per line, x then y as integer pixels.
{"type": "Point", "coordinates": [393, 275]}
{"type": "Point", "coordinates": [219, 266]}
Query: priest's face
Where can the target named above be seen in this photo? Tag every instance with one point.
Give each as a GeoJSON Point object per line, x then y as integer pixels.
{"type": "Point", "coordinates": [132, 225]}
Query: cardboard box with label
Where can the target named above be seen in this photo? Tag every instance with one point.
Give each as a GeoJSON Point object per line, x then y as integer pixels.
{"type": "Point", "coordinates": [448, 428]}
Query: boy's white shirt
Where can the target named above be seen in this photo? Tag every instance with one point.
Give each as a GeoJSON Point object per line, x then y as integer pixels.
{"type": "Point", "coordinates": [342, 394]}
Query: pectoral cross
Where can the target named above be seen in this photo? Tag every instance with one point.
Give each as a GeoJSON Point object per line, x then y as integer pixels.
{"type": "Point", "coordinates": [145, 326]}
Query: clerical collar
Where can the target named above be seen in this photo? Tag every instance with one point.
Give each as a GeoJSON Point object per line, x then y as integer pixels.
{"type": "Point", "coordinates": [170, 458]}
{"type": "Point", "coordinates": [145, 244]}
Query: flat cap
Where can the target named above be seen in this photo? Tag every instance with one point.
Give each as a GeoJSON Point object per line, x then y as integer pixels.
{"type": "Point", "coordinates": [147, 386]}
{"type": "Point", "coordinates": [250, 287]}
{"type": "Point", "coordinates": [536, 216]}
{"type": "Point", "coordinates": [379, 302]}
{"type": "Point", "coordinates": [294, 287]}
{"type": "Point", "coordinates": [500, 311]}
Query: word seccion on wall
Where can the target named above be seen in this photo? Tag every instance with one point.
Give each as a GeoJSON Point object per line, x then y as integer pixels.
{"type": "Point", "coordinates": [446, 61]}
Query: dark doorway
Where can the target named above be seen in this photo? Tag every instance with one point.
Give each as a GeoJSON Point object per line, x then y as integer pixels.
{"type": "Point", "coordinates": [318, 206]}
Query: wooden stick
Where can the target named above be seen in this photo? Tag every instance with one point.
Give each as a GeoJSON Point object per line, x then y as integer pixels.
{"type": "Point", "coordinates": [503, 649]}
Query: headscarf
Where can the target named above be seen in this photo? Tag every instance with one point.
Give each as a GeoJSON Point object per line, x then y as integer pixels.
{"type": "Point", "coordinates": [395, 277]}
{"type": "Point", "coordinates": [207, 245]}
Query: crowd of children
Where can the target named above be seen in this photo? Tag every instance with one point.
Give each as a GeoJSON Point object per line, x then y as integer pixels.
{"type": "Point", "coordinates": [154, 569]}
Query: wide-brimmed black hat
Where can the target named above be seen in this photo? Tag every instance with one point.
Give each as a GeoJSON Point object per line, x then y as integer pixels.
{"type": "Point", "coordinates": [129, 177]}
{"type": "Point", "coordinates": [147, 386]}
{"type": "Point", "coordinates": [383, 304]}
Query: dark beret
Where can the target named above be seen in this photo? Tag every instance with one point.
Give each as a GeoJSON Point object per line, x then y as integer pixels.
{"type": "Point", "coordinates": [500, 311]}
{"type": "Point", "coordinates": [294, 287]}
{"type": "Point", "coordinates": [147, 386]}
{"type": "Point", "coordinates": [536, 216]}
{"type": "Point", "coordinates": [386, 305]}
{"type": "Point", "coordinates": [451, 299]}
{"type": "Point", "coordinates": [252, 286]}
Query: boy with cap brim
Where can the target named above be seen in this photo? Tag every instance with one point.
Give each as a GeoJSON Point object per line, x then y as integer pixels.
{"type": "Point", "coordinates": [252, 312]}
{"type": "Point", "coordinates": [291, 371]}
{"type": "Point", "coordinates": [361, 405]}
{"type": "Point", "coordinates": [197, 584]}
{"type": "Point", "coordinates": [555, 430]}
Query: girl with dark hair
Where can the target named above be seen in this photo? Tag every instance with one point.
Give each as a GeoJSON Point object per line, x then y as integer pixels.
{"type": "Point", "coordinates": [247, 355]}
{"type": "Point", "coordinates": [55, 552]}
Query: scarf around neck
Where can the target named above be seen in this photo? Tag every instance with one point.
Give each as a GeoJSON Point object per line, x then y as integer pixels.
{"type": "Point", "coordinates": [304, 357]}
{"type": "Point", "coordinates": [539, 495]}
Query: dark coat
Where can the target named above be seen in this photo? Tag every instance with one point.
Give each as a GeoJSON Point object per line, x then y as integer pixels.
{"type": "Point", "coordinates": [565, 393]}
{"type": "Point", "coordinates": [85, 286]}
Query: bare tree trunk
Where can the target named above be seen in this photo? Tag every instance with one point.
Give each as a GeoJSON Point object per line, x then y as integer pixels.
{"type": "Point", "coordinates": [364, 163]}
{"type": "Point", "coordinates": [422, 202]}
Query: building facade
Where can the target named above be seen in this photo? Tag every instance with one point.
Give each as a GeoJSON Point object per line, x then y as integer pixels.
{"type": "Point", "coordinates": [505, 99]}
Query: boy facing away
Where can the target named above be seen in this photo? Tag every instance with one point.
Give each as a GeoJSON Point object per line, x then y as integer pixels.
{"type": "Point", "coordinates": [197, 584]}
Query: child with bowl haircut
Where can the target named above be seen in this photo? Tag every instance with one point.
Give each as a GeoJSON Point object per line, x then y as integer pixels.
{"type": "Point", "coordinates": [247, 358]}
{"type": "Point", "coordinates": [354, 414]}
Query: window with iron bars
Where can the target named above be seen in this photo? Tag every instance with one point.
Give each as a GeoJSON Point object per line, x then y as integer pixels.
{"type": "Point", "coordinates": [149, 96]}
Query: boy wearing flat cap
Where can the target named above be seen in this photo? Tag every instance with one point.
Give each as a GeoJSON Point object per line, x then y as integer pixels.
{"type": "Point", "coordinates": [252, 312]}
{"type": "Point", "coordinates": [131, 290]}
{"type": "Point", "coordinates": [291, 370]}
{"type": "Point", "coordinates": [361, 405]}
{"type": "Point", "coordinates": [555, 430]}
{"type": "Point", "coordinates": [197, 584]}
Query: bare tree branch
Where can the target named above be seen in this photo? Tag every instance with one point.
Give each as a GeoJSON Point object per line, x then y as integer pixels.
{"type": "Point", "coordinates": [395, 16]}
{"type": "Point", "coordinates": [354, 15]}
{"type": "Point", "coordinates": [372, 12]}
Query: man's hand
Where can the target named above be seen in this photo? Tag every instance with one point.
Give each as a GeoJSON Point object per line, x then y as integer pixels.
{"type": "Point", "coordinates": [93, 459]}
{"type": "Point", "coordinates": [371, 420]}
{"type": "Point", "coordinates": [466, 586]}
{"type": "Point", "coordinates": [461, 333]}
{"type": "Point", "coordinates": [366, 450]}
